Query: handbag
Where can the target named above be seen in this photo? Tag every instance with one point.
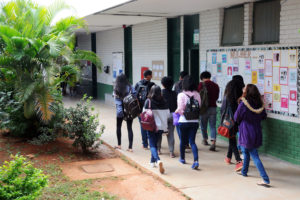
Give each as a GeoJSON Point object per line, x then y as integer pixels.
{"type": "Point", "coordinates": [147, 119]}
{"type": "Point", "coordinates": [227, 123]}
{"type": "Point", "coordinates": [176, 117]}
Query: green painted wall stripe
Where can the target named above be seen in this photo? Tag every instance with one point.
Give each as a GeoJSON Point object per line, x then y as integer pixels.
{"type": "Point", "coordinates": [102, 89]}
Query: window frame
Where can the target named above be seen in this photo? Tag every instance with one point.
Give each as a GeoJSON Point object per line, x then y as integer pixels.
{"type": "Point", "coordinates": [243, 27]}
{"type": "Point", "coordinates": [253, 27]}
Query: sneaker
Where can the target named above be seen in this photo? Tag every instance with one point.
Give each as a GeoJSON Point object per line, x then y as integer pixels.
{"type": "Point", "coordinates": [152, 164]}
{"type": "Point", "coordinates": [159, 152]}
{"type": "Point", "coordinates": [264, 184]}
{"type": "Point", "coordinates": [195, 165]}
{"type": "Point", "coordinates": [238, 166]}
{"type": "Point", "coordinates": [182, 161]}
{"type": "Point", "coordinates": [204, 142]}
{"type": "Point", "coordinates": [188, 147]}
{"type": "Point", "coordinates": [212, 147]}
{"type": "Point", "coordinates": [227, 160]}
{"type": "Point", "coordinates": [161, 167]}
{"type": "Point", "coordinates": [240, 173]}
{"type": "Point", "coordinates": [172, 155]}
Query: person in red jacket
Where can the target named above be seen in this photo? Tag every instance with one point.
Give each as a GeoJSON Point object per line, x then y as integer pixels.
{"type": "Point", "coordinates": [210, 116]}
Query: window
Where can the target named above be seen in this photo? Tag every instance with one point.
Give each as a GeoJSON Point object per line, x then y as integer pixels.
{"type": "Point", "coordinates": [233, 26]}
{"type": "Point", "coordinates": [266, 17]}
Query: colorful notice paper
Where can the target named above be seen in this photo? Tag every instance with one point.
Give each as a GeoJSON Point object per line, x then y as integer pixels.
{"type": "Point", "coordinates": [268, 101]}
{"type": "Point", "coordinates": [268, 84]}
{"type": "Point", "coordinates": [268, 67]}
{"type": "Point", "coordinates": [261, 60]}
{"type": "Point", "coordinates": [283, 72]}
{"type": "Point", "coordinates": [219, 68]}
{"type": "Point", "coordinates": [247, 69]}
{"type": "Point", "coordinates": [284, 103]}
{"type": "Point", "coordinates": [293, 58]}
{"type": "Point", "coordinates": [275, 75]}
{"type": "Point", "coordinates": [292, 76]}
{"type": "Point", "coordinates": [229, 70]}
{"type": "Point", "coordinates": [254, 77]}
{"type": "Point", "coordinates": [214, 58]}
{"type": "Point", "coordinates": [261, 74]}
{"type": "Point", "coordinates": [276, 87]}
{"type": "Point", "coordinates": [224, 58]}
{"type": "Point", "coordinates": [276, 96]}
{"type": "Point", "coordinates": [276, 58]}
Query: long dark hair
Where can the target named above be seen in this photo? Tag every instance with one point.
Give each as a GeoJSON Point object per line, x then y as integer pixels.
{"type": "Point", "coordinates": [155, 93]}
{"type": "Point", "coordinates": [121, 87]}
{"type": "Point", "coordinates": [233, 91]}
{"type": "Point", "coordinates": [188, 84]}
{"type": "Point", "coordinates": [253, 96]}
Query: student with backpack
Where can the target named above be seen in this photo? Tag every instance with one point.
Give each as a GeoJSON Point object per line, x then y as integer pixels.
{"type": "Point", "coordinates": [189, 103]}
{"type": "Point", "coordinates": [249, 115]}
{"type": "Point", "coordinates": [156, 109]}
{"type": "Point", "coordinates": [178, 84]}
{"type": "Point", "coordinates": [121, 90]}
{"type": "Point", "coordinates": [229, 105]}
{"type": "Point", "coordinates": [170, 97]}
{"type": "Point", "coordinates": [209, 92]}
{"type": "Point", "coordinates": [142, 88]}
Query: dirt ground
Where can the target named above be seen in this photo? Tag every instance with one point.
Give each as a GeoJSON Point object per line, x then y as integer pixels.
{"type": "Point", "coordinates": [124, 180]}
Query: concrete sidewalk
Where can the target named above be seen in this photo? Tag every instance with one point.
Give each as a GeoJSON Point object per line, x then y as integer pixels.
{"type": "Point", "coordinates": [214, 180]}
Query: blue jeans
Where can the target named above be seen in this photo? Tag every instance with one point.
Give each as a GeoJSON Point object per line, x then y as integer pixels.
{"type": "Point", "coordinates": [188, 135]}
{"type": "Point", "coordinates": [153, 138]}
{"type": "Point", "coordinates": [178, 131]}
{"type": "Point", "coordinates": [144, 135]}
{"type": "Point", "coordinates": [209, 117]}
{"type": "Point", "coordinates": [255, 157]}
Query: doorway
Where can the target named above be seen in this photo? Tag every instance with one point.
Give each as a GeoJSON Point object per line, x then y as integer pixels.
{"type": "Point", "coordinates": [193, 66]}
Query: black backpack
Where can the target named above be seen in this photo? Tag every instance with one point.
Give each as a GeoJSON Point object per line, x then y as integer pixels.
{"type": "Point", "coordinates": [204, 99]}
{"type": "Point", "coordinates": [142, 94]}
{"type": "Point", "coordinates": [131, 106]}
{"type": "Point", "coordinates": [192, 109]}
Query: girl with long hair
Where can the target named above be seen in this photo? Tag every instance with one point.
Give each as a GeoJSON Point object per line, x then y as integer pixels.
{"type": "Point", "coordinates": [161, 112]}
{"type": "Point", "coordinates": [249, 115]}
{"type": "Point", "coordinates": [121, 90]}
{"type": "Point", "coordinates": [230, 101]}
{"type": "Point", "coordinates": [188, 128]}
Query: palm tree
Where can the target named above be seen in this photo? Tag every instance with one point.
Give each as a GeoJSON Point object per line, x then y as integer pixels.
{"type": "Point", "coordinates": [38, 50]}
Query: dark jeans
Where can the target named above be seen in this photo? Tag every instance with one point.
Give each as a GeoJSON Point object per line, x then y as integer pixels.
{"type": "Point", "coordinates": [255, 157]}
{"type": "Point", "coordinates": [144, 135]}
{"type": "Point", "coordinates": [188, 135]}
{"type": "Point", "coordinates": [153, 138]}
{"type": "Point", "coordinates": [233, 148]}
{"type": "Point", "coordinates": [210, 117]}
{"type": "Point", "coordinates": [129, 129]}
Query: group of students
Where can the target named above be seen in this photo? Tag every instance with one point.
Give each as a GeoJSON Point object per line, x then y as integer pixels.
{"type": "Point", "coordinates": [245, 103]}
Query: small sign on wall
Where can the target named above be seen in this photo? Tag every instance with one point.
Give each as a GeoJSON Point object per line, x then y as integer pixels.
{"type": "Point", "coordinates": [158, 70]}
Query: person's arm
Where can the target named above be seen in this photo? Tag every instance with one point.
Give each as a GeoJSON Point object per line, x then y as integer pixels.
{"type": "Point", "coordinates": [217, 92]}
{"type": "Point", "coordinates": [180, 104]}
{"type": "Point", "coordinates": [223, 106]}
{"type": "Point", "coordinates": [133, 91]}
{"type": "Point", "coordinates": [239, 113]}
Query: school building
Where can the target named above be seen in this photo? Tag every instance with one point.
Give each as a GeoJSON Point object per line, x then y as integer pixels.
{"type": "Point", "coordinates": [257, 39]}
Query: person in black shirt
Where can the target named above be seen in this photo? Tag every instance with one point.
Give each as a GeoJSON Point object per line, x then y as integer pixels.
{"type": "Point", "coordinates": [178, 85]}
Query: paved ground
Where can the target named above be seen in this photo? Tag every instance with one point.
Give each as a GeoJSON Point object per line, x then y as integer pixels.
{"type": "Point", "coordinates": [214, 180]}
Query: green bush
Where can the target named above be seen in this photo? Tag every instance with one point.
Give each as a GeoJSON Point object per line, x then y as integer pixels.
{"type": "Point", "coordinates": [20, 180]}
{"type": "Point", "coordinates": [82, 125]}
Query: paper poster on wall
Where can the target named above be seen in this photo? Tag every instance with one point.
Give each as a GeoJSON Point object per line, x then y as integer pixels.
{"type": "Point", "coordinates": [254, 77]}
{"type": "Point", "coordinates": [268, 101]}
{"type": "Point", "coordinates": [261, 74]}
{"type": "Point", "coordinates": [276, 96]}
{"type": "Point", "coordinates": [261, 88]}
{"type": "Point", "coordinates": [219, 68]}
{"type": "Point", "coordinates": [214, 58]}
{"type": "Point", "coordinates": [158, 69]}
{"type": "Point", "coordinates": [229, 70]}
{"type": "Point", "coordinates": [293, 58]}
{"type": "Point", "coordinates": [143, 69]}
{"type": "Point", "coordinates": [292, 76]}
{"type": "Point", "coordinates": [293, 96]}
{"type": "Point", "coordinates": [276, 58]}
{"type": "Point", "coordinates": [117, 66]}
{"type": "Point", "coordinates": [284, 103]}
{"type": "Point", "coordinates": [224, 58]}
{"type": "Point", "coordinates": [275, 75]}
{"type": "Point", "coordinates": [276, 87]}
{"type": "Point", "coordinates": [283, 72]}
{"type": "Point", "coordinates": [261, 60]}
{"type": "Point", "coordinates": [268, 67]}
{"type": "Point", "coordinates": [235, 70]}
{"type": "Point", "coordinates": [247, 69]}
{"type": "Point", "coordinates": [268, 84]}
{"type": "Point", "coordinates": [284, 58]}
{"type": "Point", "coordinates": [202, 66]}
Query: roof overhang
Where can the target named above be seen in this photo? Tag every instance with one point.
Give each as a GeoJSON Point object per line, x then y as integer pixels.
{"type": "Point", "coordinates": [140, 11]}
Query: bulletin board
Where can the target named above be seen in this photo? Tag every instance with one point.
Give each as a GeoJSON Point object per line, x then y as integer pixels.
{"type": "Point", "coordinates": [117, 64]}
{"type": "Point", "coordinates": [275, 71]}
{"type": "Point", "coordinates": [158, 70]}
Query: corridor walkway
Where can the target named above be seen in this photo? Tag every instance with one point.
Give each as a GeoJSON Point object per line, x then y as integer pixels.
{"type": "Point", "coordinates": [214, 180]}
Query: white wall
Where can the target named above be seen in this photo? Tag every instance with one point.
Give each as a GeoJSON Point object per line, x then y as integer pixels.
{"type": "Point", "coordinates": [108, 42]}
{"type": "Point", "coordinates": [149, 43]}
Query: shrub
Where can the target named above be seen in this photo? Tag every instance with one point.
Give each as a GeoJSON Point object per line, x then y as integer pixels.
{"type": "Point", "coordinates": [20, 180]}
{"type": "Point", "coordinates": [82, 125]}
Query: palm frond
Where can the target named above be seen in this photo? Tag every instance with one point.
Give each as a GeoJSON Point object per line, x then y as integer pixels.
{"type": "Point", "coordinates": [43, 105]}
{"type": "Point", "coordinates": [69, 24]}
{"type": "Point", "coordinates": [56, 7]}
{"type": "Point", "coordinates": [80, 55]}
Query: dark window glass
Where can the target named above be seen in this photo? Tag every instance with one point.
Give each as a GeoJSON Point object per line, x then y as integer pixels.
{"type": "Point", "coordinates": [233, 26]}
{"type": "Point", "coordinates": [266, 17]}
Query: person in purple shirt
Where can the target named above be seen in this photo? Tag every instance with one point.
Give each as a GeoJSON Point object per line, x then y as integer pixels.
{"type": "Point", "coordinates": [249, 115]}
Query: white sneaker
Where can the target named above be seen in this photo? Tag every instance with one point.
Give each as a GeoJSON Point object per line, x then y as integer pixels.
{"type": "Point", "coordinates": [152, 164]}
{"type": "Point", "coordinates": [161, 167]}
